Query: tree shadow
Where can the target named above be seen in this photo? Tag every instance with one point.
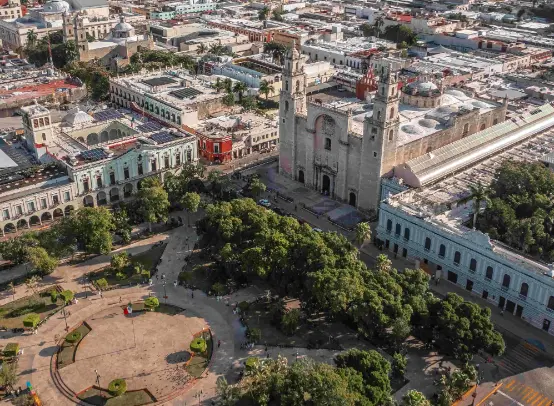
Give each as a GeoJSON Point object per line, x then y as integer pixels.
{"type": "Point", "coordinates": [178, 357]}
{"type": "Point", "coordinates": [48, 351]}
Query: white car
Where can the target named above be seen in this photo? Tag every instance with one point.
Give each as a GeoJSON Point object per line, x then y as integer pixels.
{"type": "Point", "coordinates": [264, 202]}
{"type": "Point", "coordinates": [317, 230]}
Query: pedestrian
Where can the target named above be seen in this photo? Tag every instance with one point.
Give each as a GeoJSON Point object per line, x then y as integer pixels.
{"type": "Point", "coordinates": [502, 313]}
{"type": "Point", "coordinates": [157, 277]}
{"type": "Point", "coordinates": [101, 297]}
{"type": "Point", "coordinates": [267, 355]}
{"type": "Point", "coordinates": [192, 294]}
{"type": "Point", "coordinates": [295, 207]}
{"type": "Point", "coordinates": [218, 343]}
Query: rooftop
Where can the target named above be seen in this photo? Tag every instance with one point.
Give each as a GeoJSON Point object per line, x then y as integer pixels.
{"type": "Point", "coordinates": [239, 126]}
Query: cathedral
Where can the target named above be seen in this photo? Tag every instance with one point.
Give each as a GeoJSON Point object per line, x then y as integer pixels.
{"type": "Point", "coordinates": [343, 146]}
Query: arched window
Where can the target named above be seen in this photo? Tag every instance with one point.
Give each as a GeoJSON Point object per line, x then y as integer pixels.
{"type": "Point", "coordinates": [524, 289]}
{"type": "Point", "coordinates": [378, 115]}
{"type": "Point", "coordinates": [427, 244]}
{"type": "Point", "coordinates": [398, 229]}
{"type": "Point", "coordinates": [551, 303]}
{"type": "Point", "coordinates": [406, 233]}
{"type": "Point", "coordinates": [466, 128]}
{"type": "Point", "coordinates": [287, 85]}
{"type": "Point", "coordinates": [391, 112]}
{"type": "Point", "coordinates": [495, 121]}
{"type": "Point", "coordinates": [457, 257]}
{"type": "Point", "coordinates": [286, 106]}
{"type": "Point", "coordinates": [473, 265]}
{"type": "Point", "coordinates": [506, 281]}
{"type": "Point", "coordinates": [328, 144]}
{"type": "Point", "coordinates": [297, 86]}
{"type": "Point", "coordinates": [489, 273]}
{"type": "Point", "coordinates": [482, 127]}
{"type": "Point", "coordinates": [391, 135]}
{"type": "Point", "coordinates": [389, 225]}
{"type": "Point", "coordinates": [442, 251]}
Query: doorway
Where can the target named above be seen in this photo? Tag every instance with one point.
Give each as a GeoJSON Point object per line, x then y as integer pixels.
{"type": "Point", "coordinates": [352, 199]}
{"type": "Point", "coordinates": [485, 294]}
{"type": "Point", "coordinates": [452, 277]}
{"type": "Point", "coordinates": [510, 306]}
{"type": "Point", "coordinates": [326, 185]}
{"type": "Point", "coordinates": [519, 311]}
{"type": "Point", "coordinates": [546, 324]}
{"type": "Point", "coordinates": [301, 176]}
{"type": "Point", "coordinates": [469, 285]}
{"type": "Point", "coordinates": [501, 302]}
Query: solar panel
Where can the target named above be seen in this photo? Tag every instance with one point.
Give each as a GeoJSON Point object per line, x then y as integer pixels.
{"type": "Point", "coordinates": [94, 154]}
{"type": "Point", "coordinates": [186, 93]}
{"type": "Point", "coordinates": [162, 137]}
{"type": "Point", "coordinates": [161, 81]}
{"type": "Point", "coordinates": [108, 114]}
{"type": "Point", "coordinates": [149, 127]}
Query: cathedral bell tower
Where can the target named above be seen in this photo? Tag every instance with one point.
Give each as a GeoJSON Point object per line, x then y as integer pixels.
{"type": "Point", "coordinates": [380, 137]}
{"type": "Point", "coordinates": [292, 101]}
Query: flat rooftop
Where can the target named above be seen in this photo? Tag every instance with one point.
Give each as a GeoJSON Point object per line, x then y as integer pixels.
{"type": "Point", "coordinates": [238, 125]}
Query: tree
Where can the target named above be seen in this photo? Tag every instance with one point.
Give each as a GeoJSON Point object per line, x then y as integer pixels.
{"type": "Point", "coordinates": [478, 194]}
{"type": "Point", "coordinates": [277, 15]}
{"type": "Point", "coordinates": [290, 321]}
{"type": "Point", "coordinates": [400, 329]}
{"type": "Point", "coordinates": [362, 233]}
{"type": "Point", "coordinates": [41, 261]}
{"type": "Point", "coordinates": [198, 345]}
{"type": "Point", "coordinates": [229, 99]}
{"type": "Point", "coordinates": [71, 52]}
{"type": "Point", "coordinates": [16, 249]}
{"type": "Point", "coordinates": [249, 103]}
{"type": "Point", "coordinates": [120, 261]}
{"type": "Point", "coordinates": [218, 85]}
{"type": "Point", "coordinates": [240, 88]}
{"type": "Point", "coordinates": [32, 284]}
{"type": "Point", "coordinates": [201, 49]}
{"type": "Point", "coordinates": [228, 83]}
{"type": "Point", "coordinates": [262, 15]}
{"type": "Point", "coordinates": [31, 321]}
{"type": "Point", "coordinates": [191, 201]}
{"type": "Point", "coordinates": [228, 394]}
{"type": "Point", "coordinates": [257, 187]}
{"type": "Point", "coordinates": [67, 296]}
{"type": "Point", "coordinates": [12, 289]}
{"type": "Point", "coordinates": [121, 225]}
{"type": "Point", "coordinates": [415, 398]}
{"type": "Point", "coordinates": [266, 88]}
{"type": "Point", "coordinates": [151, 303]}
{"type": "Point", "coordinates": [8, 375]}
{"type": "Point", "coordinates": [31, 38]}
{"type": "Point", "coordinates": [399, 364]}
{"type": "Point", "coordinates": [93, 228]}
{"type": "Point", "coordinates": [153, 201]}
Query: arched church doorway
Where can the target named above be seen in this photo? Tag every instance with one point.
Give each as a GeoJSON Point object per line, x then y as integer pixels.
{"type": "Point", "coordinates": [352, 199]}
{"type": "Point", "coordinates": [301, 176]}
{"type": "Point", "coordinates": [326, 189]}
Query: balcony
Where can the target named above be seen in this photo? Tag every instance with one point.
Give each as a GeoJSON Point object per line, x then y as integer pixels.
{"type": "Point", "coordinates": [504, 288]}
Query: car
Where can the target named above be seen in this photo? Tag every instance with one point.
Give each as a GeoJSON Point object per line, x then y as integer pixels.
{"type": "Point", "coordinates": [280, 211]}
{"type": "Point", "coordinates": [317, 230]}
{"type": "Point", "coordinates": [264, 203]}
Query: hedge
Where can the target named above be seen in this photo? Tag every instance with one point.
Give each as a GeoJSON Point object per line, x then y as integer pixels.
{"type": "Point", "coordinates": [102, 283]}
{"type": "Point", "coordinates": [117, 387]}
{"type": "Point", "coordinates": [67, 296]}
{"type": "Point", "coordinates": [11, 350]}
{"type": "Point", "coordinates": [31, 320]}
{"type": "Point", "coordinates": [151, 303]}
{"type": "Point", "coordinates": [251, 363]}
{"type": "Point", "coordinates": [54, 296]}
{"type": "Point", "coordinates": [73, 337]}
{"type": "Point", "coordinates": [198, 345]}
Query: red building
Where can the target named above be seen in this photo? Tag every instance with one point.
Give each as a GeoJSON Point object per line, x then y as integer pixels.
{"type": "Point", "coordinates": [217, 148]}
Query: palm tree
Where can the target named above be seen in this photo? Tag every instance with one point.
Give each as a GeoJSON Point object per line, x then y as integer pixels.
{"type": "Point", "coordinates": [262, 15]}
{"type": "Point", "coordinates": [266, 88]}
{"type": "Point", "coordinates": [478, 194]}
{"type": "Point", "coordinates": [240, 88]}
{"type": "Point", "coordinates": [201, 49]}
{"type": "Point", "coordinates": [379, 21]}
{"type": "Point", "coordinates": [362, 233]}
{"type": "Point", "coordinates": [228, 85]}
{"type": "Point", "coordinates": [31, 38]}
{"type": "Point", "coordinates": [218, 85]}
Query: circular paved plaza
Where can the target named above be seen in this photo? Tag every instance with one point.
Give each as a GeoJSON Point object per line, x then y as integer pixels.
{"type": "Point", "coordinates": [147, 349]}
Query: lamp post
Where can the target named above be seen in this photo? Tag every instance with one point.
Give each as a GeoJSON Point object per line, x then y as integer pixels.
{"type": "Point", "coordinates": [65, 318]}
{"type": "Point", "coordinates": [97, 378]}
{"type": "Point", "coordinates": [165, 292]}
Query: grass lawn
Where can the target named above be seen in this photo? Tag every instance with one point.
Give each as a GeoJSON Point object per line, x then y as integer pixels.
{"type": "Point", "coordinates": [148, 259]}
{"type": "Point", "coordinates": [66, 355]}
{"type": "Point", "coordinates": [101, 397]}
{"type": "Point", "coordinates": [13, 313]}
{"type": "Point", "coordinates": [199, 362]}
{"type": "Point", "coordinates": [162, 308]}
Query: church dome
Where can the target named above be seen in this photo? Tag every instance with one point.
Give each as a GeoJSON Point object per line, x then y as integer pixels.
{"type": "Point", "coordinates": [411, 129]}
{"type": "Point", "coordinates": [56, 6]}
{"type": "Point", "coordinates": [428, 123]}
{"type": "Point", "coordinates": [456, 93]}
{"type": "Point", "coordinates": [76, 117]}
{"type": "Point", "coordinates": [423, 86]}
{"type": "Point", "coordinates": [123, 27]}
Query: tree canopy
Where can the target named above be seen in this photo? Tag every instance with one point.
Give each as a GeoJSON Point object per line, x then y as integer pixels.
{"type": "Point", "coordinates": [153, 201]}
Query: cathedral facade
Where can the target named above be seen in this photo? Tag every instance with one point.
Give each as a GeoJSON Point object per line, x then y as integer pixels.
{"type": "Point", "coordinates": [343, 148]}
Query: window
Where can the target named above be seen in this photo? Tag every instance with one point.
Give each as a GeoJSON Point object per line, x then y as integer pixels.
{"type": "Point", "coordinates": [442, 251]}
{"type": "Point", "coordinates": [99, 182]}
{"type": "Point", "coordinates": [6, 214]}
{"type": "Point", "coordinates": [398, 229]}
{"type": "Point", "coordinates": [31, 206]}
{"type": "Point", "coordinates": [178, 158]}
{"type": "Point", "coordinates": [44, 136]}
{"type": "Point", "coordinates": [473, 265]}
{"type": "Point", "coordinates": [489, 273]}
{"type": "Point", "coordinates": [154, 166]}
{"type": "Point", "coordinates": [466, 128]}
{"type": "Point", "coordinates": [126, 173]}
{"type": "Point", "coordinates": [18, 210]}
{"type": "Point", "coordinates": [328, 144]}
{"type": "Point", "coordinates": [374, 154]}
{"type": "Point", "coordinates": [55, 199]}
{"type": "Point", "coordinates": [391, 135]}
{"type": "Point", "coordinates": [216, 148]}
{"type": "Point", "coordinates": [482, 127]}
{"type": "Point", "coordinates": [551, 303]}
{"type": "Point", "coordinates": [85, 185]}
{"type": "Point", "coordinates": [427, 244]}
{"type": "Point", "coordinates": [495, 121]}
{"type": "Point", "coordinates": [524, 289]}
{"type": "Point", "coordinates": [406, 233]}
{"type": "Point", "coordinates": [112, 178]}
{"type": "Point", "coordinates": [66, 196]}
{"type": "Point", "coordinates": [378, 115]}
{"type": "Point", "coordinates": [457, 257]}
{"type": "Point", "coordinates": [506, 281]}
{"type": "Point", "coordinates": [139, 168]}
{"type": "Point", "coordinates": [43, 203]}
{"type": "Point", "coordinates": [391, 112]}
{"type": "Point", "coordinates": [389, 225]}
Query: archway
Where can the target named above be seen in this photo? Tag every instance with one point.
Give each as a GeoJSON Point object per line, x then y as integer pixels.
{"type": "Point", "coordinates": [114, 194]}
{"type": "Point", "coordinates": [92, 139]}
{"type": "Point", "coordinates": [9, 228]}
{"type": "Point", "coordinates": [58, 213]}
{"type": "Point", "coordinates": [301, 176]}
{"type": "Point", "coordinates": [101, 199]}
{"type": "Point", "coordinates": [69, 210]}
{"type": "Point", "coordinates": [22, 224]}
{"type": "Point", "coordinates": [46, 216]}
{"type": "Point", "coordinates": [81, 140]}
{"type": "Point", "coordinates": [34, 221]}
{"type": "Point", "coordinates": [127, 190]}
{"type": "Point", "coordinates": [113, 134]}
{"type": "Point", "coordinates": [88, 201]}
{"type": "Point", "coordinates": [104, 136]}
{"type": "Point", "coordinates": [326, 188]}
{"type": "Point", "coordinates": [352, 199]}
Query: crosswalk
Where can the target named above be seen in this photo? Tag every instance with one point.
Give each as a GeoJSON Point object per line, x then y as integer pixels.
{"type": "Point", "coordinates": [524, 394]}
{"type": "Point", "coordinates": [523, 357]}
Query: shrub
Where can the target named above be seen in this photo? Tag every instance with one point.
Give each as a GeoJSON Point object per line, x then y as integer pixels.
{"type": "Point", "coordinates": [399, 364]}
{"type": "Point", "coordinates": [54, 296]}
{"type": "Point", "coordinates": [117, 387]}
{"type": "Point", "coordinates": [67, 296]}
{"type": "Point", "coordinates": [102, 283]}
{"type": "Point", "coordinates": [120, 276]}
{"type": "Point", "coordinates": [151, 303]}
{"type": "Point", "coordinates": [254, 334]}
{"type": "Point", "coordinates": [243, 306]}
{"type": "Point", "coordinates": [198, 345]}
{"type": "Point", "coordinates": [11, 349]}
{"type": "Point", "coordinates": [73, 337]}
{"type": "Point", "coordinates": [251, 363]}
{"type": "Point", "coordinates": [218, 288]}
{"type": "Point", "coordinates": [289, 321]}
{"type": "Point", "coordinates": [145, 274]}
{"type": "Point", "coordinates": [31, 320]}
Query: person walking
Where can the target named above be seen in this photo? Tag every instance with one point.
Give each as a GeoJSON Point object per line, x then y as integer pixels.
{"type": "Point", "coordinates": [218, 343]}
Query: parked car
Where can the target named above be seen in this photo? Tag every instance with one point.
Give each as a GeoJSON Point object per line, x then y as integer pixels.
{"type": "Point", "coordinates": [317, 230]}
{"type": "Point", "coordinates": [280, 211]}
{"type": "Point", "coordinates": [264, 203]}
